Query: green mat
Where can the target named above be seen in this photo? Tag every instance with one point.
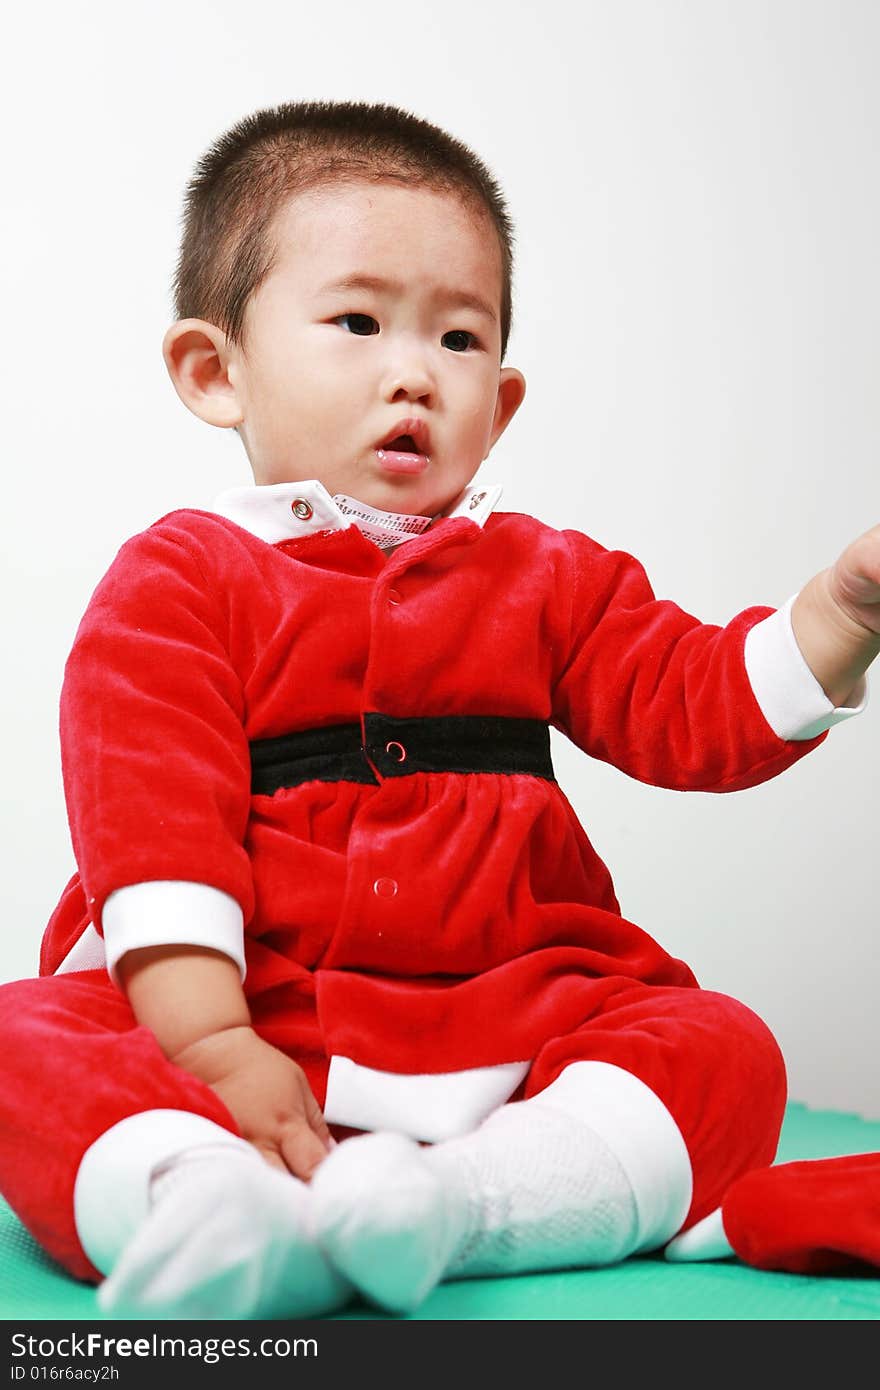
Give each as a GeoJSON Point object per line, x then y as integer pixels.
{"type": "Point", "coordinates": [33, 1287]}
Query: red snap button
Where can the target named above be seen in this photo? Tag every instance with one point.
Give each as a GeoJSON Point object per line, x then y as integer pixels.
{"type": "Point", "coordinates": [396, 750]}
{"type": "Point", "coordinates": [300, 508]}
{"type": "Point", "coordinates": [385, 887]}
{"type": "Point", "coordinates": [394, 596]}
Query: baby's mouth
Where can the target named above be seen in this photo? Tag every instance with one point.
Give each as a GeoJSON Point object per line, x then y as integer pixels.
{"type": "Point", "coordinates": [401, 454]}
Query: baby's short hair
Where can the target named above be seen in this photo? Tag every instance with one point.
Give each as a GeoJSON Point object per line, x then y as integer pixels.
{"type": "Point", "coordinates": [249, 173]}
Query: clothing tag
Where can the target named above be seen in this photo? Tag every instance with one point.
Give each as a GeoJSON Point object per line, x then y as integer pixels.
{"type": "Point", "coordinates": [383, 528]}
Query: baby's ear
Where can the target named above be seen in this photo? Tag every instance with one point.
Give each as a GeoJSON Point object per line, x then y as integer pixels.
{"type": "Point", "coordinates": [511, 390]}
{"type": "Point", "coordinates": [197, 358]}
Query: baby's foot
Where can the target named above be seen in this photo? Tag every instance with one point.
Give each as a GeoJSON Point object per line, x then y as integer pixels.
{"type": "Point", "coordinates": [707, 1240]}
{"type": "Point", "coordinates": [226, 1237]}
{"type": "Point", "coordinates": [389, 1220]}
{"type": "Point", "coordinates": [531, 1188]}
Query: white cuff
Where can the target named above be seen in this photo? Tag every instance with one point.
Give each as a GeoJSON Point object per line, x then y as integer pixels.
{"type": "Point", "coordinates": [111, 1195]}
{"type": "Point", "coordinates": [429, 1107]}
{"type": "Point", "coordinates": [791, 699]}
{"type": "Point", "coordinates": [169, 912]}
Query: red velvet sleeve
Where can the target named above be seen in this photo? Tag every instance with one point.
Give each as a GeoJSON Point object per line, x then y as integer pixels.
{"type": "Point", "coordinates": [154, 755]}
{"type": "Point", "coordinates": [652, 690]}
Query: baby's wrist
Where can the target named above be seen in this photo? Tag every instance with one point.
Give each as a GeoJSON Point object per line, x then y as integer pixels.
{"type": "Point", "coordinates": [214, 1055]}
{"type": "Point", "coordinates": [837, 647]}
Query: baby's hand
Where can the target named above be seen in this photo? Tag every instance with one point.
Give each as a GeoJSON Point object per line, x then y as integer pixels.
{"type": "Point", "coordinates": [266, 1093]}
{"type": "Point", "coordinates": [854, 581]}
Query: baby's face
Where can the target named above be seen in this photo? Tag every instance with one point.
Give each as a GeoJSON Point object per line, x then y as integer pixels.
{"type": "Point", "coordinates": [380, 319]}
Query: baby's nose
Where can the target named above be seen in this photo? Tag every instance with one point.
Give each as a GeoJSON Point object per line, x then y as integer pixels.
{"type": "Point", "coordinates": [409, 375]}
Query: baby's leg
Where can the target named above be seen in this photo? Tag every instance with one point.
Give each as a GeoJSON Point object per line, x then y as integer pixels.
{"type": "Point", "coordinates": [713, 1065]}
{"type": "Point", "coordinates": [121, 1164]}
{"type": "Point", "coordinates": [632, 1127]}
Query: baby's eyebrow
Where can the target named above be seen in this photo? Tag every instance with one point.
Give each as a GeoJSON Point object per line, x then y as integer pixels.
{"type": "Point", "coordinates": [461, 299]}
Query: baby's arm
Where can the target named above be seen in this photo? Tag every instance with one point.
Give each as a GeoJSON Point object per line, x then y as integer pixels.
{"type": "Point", "coordinates": [836, 618]}
{"type": "Point", "coordinates": [694, 706]}
{"type": "Point", "coordinates": [191, 998]}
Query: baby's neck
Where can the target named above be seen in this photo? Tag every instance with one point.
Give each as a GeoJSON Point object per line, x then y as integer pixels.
{"type": "Point", "coordinates": [386, 529]}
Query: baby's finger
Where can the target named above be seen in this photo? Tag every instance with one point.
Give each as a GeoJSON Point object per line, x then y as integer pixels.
{"type": "Point", "coordinates": [272, 1157]}
{"type": "Point", "coordinates": [315, 1116]}
{"type": "Point", "coordinates": [301, 1149]}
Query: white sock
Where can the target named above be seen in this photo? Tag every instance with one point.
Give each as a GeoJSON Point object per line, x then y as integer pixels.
{"type": "Point", "coordinates": [544, 1192]}
{"type": "Point", "coordinates": [532, 1188]}
{"type": "Point", "coordinates": [188, 1220]}
{"type": "Point", "coordinates": [707, 1240]}
{"type": "Point", "coordinates": [225, 1237]}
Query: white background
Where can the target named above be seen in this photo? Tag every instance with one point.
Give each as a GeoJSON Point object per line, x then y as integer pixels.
{"type": "Point", "coordinates": [695, 189]}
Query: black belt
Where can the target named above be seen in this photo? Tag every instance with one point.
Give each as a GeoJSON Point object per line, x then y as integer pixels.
{"type": "Point", "coordinates": [398, 747]}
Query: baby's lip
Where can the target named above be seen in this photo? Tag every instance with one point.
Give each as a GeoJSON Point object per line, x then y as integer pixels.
{"type": "Point", "coordinates": [415, 428]}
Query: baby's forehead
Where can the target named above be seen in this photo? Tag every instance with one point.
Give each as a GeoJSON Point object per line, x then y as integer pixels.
{"type": "Point", "coordinates": [434, 198]}
{"type": "Point", "coordinates": [364, 231]}
{"type": "Point", "coordinates": [385, 216]}
{"type": "Point", "coordinates": [390, 204]}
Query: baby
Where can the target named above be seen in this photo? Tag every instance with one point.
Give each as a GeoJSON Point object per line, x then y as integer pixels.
{"type": "Point", "coordinates": [341, 1003]}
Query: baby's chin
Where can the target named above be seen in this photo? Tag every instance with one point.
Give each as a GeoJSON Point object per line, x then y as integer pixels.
{"type": "Point", "coordinates": [404, 496]}
{"type": "Point", "coordinates": [437, 504]}
{"type": "Point", "coordinates": [409, 495]}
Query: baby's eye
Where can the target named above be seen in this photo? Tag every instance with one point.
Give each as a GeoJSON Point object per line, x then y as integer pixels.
{"type": "Point", "coordinates": [361, 324]}
{"type": "Point", "coordinates": [457, 334]}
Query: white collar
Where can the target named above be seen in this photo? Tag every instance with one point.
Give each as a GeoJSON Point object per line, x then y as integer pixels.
{"type": "Point", "coordinates": [282, 511]}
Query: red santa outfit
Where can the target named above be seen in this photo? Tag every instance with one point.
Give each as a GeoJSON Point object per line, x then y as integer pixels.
{"type": "Point", "coordinates": [332, 763]}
